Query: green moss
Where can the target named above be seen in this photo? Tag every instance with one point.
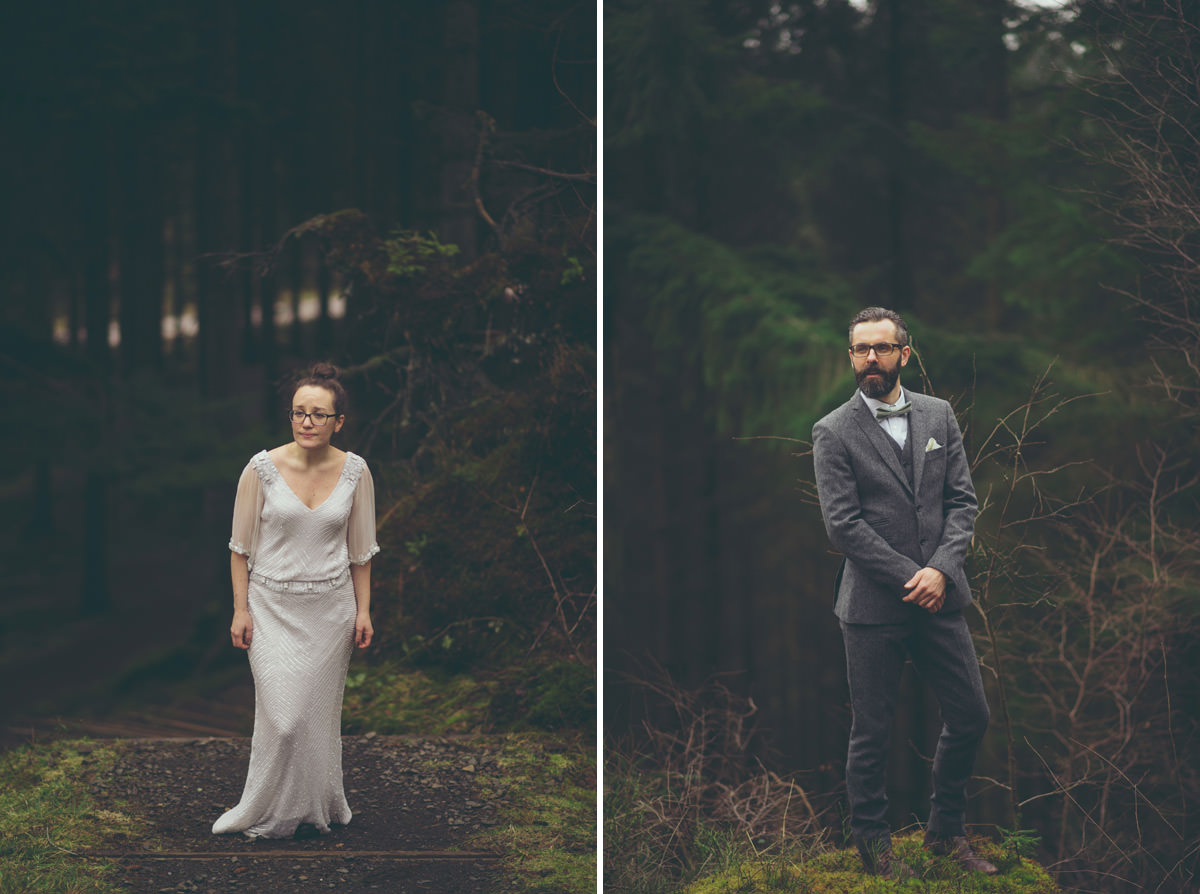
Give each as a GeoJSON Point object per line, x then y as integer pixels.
{"type": "Point", "coordinates": [547, 829]}
{"type": "Point", "coordinates": [840, 872]}
{"type": "Point", "coordinates": [391, 700]}
{"type": "Point", "coordinates": [47, 814]}
{"type": "Point", "coordinates": [395, 699]}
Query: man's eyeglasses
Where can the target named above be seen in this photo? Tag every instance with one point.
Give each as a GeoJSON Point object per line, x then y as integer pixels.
{"type": "Point", "coordinates": [882, 349]}
{"type": "Point", "coordinates": [297, 416]}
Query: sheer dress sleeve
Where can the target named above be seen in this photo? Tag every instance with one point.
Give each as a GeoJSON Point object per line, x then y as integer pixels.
{"type": "Point", "coordinates": [247, 510]}
{"type": "Point", "coordinates": [360, 535]}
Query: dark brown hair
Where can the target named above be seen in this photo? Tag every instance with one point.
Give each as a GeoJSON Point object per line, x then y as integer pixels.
{"type": "Point", "coordinates": [875, 315]}
{"type": "Point", "coordinates": [324, 375]}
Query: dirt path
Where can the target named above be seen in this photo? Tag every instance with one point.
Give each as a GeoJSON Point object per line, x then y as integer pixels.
{"type": "Point", "coordinates": [417, 805]}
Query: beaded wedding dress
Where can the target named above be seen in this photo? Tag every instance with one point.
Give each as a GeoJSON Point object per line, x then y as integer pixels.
{"type": "Point", "coordinates": [301, 601]}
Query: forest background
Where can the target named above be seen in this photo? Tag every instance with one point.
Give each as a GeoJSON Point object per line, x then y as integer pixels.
{"type": "Point", "coordinates": [201, 198]}
{"type": "Point", "coordinates": [1021, 183]}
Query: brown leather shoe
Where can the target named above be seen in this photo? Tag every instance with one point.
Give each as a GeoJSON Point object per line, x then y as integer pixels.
{"type": "Point", "coordinates": [885, 863]}
{"type": "Point", "coordinates": [960, 850]}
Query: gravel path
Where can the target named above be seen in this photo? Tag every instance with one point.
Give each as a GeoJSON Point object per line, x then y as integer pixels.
{"type": "Point", "coordinates": [416, 804]}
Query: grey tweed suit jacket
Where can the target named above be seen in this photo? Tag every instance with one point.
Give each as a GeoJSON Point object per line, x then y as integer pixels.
{"type": "Point", "coordinates": [886, 528]}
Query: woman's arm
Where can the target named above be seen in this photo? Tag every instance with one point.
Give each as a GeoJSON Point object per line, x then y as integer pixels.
{"type": "Point", "coordinates": [247, 510]}
{"type": "Point", "coordinates": [361, 545]}
{"type": "Point", "coordinates": [363, 631]}
{"type": "Point", "coordinates": [242, 628]}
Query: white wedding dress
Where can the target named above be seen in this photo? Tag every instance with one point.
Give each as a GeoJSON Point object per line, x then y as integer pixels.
{"type": "Point", "coordinates": [301, 600]}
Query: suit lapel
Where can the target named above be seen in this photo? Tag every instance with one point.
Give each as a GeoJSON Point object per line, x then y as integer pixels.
{"type": "Point", "coordinates": [880, 439]}
{"type": "Point", "coordinates": [918, 433]}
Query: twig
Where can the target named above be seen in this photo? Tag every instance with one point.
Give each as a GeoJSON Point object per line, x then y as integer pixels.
{"type": "Point", "coordinates": [486, 126]}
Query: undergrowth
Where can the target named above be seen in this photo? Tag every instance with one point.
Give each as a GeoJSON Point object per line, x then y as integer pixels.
{"type": "Point", "coordinates": [685, 810]}
{"type": "Point", "coordinates": [685, 802]}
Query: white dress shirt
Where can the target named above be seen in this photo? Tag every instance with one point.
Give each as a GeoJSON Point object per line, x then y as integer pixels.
{"type": "Point", "coordinates": [896, 426]}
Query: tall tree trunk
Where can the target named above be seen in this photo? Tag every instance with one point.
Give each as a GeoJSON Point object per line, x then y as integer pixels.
{"type": "Point", "coordinates": [218, 207]}
{"type": "Point", "coordinates": [97, 301]}
{"type": "Point", "coordinates": [996, 84]}
{"type": "Point", "coordinates": [324, 321]}
{"type": "Point", "coordinates": [268, 294]}
{"type": "Point", "coordinates": [94, 213]}
{"type": "Point", "coordinates": [268, 284]}
{"type": "Point", "coordinates": [391, 144]}
{"type": "Point", "coordinates": [186, 289]}
{"type": "Point", "coordinates": [95, 596]}
{"type": "Point", "coordinates": [75, 315]}
{"type": "Point", "coordinates": [41, 520]}
{"type": "Point", "coordinates": [256, 59]}
{"type": "Point", "coordinates": [359, 142]}
{"type": "Point", "coordinates": [900, 276]}
{"type": "Point", "coordinates": [172, 267]}
{"type": "Point", "coordinates": [141, 260]}
{"type": "Point", "coordinates": [296, 287]}
{"type": "Point", "coordinates": [460, 99]}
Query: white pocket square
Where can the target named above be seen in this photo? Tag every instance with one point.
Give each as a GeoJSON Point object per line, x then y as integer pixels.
{"type": "Point", "coordinates": [932, 445]}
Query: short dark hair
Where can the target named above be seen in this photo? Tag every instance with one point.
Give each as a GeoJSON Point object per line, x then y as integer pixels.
{"type": "Point", "coordinates": [323, 375]}
{"type": "Point", "coordinates": [874, 315]}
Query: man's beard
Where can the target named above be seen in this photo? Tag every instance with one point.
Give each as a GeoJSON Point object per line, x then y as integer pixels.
{"type": "Point", "coordinates": [877, 388]}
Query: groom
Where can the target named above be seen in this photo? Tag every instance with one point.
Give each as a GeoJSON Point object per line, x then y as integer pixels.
{"type": "Point", "coordinates": [898, 503]}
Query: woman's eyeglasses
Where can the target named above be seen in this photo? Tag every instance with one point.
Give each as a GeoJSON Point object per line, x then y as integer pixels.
{"type": "Point", "coordinates": [297, 417]}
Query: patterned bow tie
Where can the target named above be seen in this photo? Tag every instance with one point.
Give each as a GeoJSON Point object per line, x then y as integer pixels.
{"type": "Point", "coordinates": [898, 410]}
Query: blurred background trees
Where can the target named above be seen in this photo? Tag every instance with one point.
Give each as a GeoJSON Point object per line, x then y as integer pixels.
{"type": "Point", "coordinates": [201, 198]}
{"type": "Point", "coordinates": [1018, 180]}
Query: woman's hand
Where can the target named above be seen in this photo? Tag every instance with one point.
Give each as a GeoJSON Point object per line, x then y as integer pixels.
{"type": "Point", "coordinates": [363, 631]}
{"type": "Point", "coordinates": [242, 629]}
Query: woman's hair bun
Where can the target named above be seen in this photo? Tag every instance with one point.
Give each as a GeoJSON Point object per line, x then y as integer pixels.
{"type": "Point", "coordinates": [323, 371]}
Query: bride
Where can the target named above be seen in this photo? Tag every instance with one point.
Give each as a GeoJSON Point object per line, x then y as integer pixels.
{"type": "Point", "coordinates": [303, 539]}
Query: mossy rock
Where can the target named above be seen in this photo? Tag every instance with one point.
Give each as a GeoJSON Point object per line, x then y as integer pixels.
{"type": "Point", "coordinates": [840, 872]}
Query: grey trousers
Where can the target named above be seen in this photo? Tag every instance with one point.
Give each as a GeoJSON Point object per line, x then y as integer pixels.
{"type": "Point", "coordinates": [942, 652]}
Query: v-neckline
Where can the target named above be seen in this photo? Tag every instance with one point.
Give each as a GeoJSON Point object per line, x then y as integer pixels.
{"type": "Point", "coordinates": [296, 496]}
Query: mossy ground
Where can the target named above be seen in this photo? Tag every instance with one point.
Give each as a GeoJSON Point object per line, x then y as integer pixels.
{"type": "Point", "coordinates": [47, 814]}
{"type": "Point", "coordinates": [840, 872]}
{"type": "Point", "coordinates": [548, 828]}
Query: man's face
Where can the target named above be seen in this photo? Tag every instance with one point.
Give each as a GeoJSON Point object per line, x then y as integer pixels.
{"type": "Point", "coordinates": [877, 376]}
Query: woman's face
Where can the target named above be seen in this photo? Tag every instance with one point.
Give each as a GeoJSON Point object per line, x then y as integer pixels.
{"type": "Point", "coordinates": [310, 399]}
